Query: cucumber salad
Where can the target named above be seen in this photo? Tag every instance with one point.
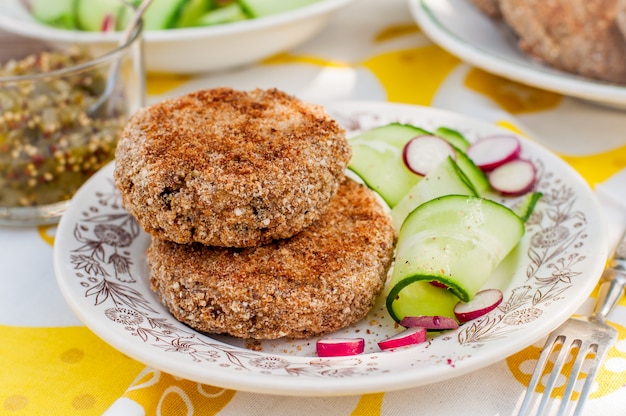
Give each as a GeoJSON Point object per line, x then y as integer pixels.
{"type": "Point", "coordinates": [442, 192]}
{"type": "Point", "coordinates": [111, 15]}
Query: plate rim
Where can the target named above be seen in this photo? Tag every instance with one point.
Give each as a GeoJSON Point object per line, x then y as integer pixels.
{"type": "Point", "coordinates": [333, 387]}
{"type": "Point", "coordinates": [545, 78]}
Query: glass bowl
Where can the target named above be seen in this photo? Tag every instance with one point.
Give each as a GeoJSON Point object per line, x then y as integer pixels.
{"type": "Point", "coordinates": [62, 110]}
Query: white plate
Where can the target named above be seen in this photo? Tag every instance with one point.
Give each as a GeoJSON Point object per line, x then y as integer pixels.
{"type": "Point", "coordinates": [544, 281]}
{"type": "Point", "coordinates": [192, 50]}
{"type": "Point", "coordinates": [461, 29]}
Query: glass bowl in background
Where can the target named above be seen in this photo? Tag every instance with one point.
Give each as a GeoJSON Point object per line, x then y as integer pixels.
{"type": "Point", "coordinates": [61, 113]}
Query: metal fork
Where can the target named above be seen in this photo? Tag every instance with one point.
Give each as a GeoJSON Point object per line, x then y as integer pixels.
{"type": "Point", "coordinates": [591, 336]}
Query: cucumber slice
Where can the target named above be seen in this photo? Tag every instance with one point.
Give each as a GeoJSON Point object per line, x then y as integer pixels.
{"type": "Point", "coordinates": [260, 8]}
{"type": "Point", "coordinates": [525, 207]}
{"type": "Point", "coordinates": [453, 137]}
{"type": "Point", "coordinates": [446, 179]}
{"type": "Point", "coordinates": [192, 11]}
{"type": "Point", "coordinates": [163, 14]}
{"type": "Point", "coordinates": [477, 177]}
{"type": "Point", "coordinates": [227, 14]}
{"type": "Point", "coordinates": [123, 18]}
{"type": "Point", "coordinates": [419, 298]}
{"type": "Point", "coordinates": [395, 134]}
{"type": "Point", "coordinates": [59, 13]}
{"type": "Point", "coordinates": [377, 159]}
{"type": "Point", "coordinates": [90, 15]}
{"type": "Point", "coordinates": [456, 240]}
{"type": "Point", "coordinates": [474, 174]}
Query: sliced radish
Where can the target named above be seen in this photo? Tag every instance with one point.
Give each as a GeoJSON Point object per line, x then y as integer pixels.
{"type": "Point", "coordinates": [423, 153]}
{"type": "Point", "coordinates": [483, 302]}
{"type": "Point", "coordinates": [490, 152]}
{"type": "Point", "coordinates": [515, 177]}
{"type": "Point", "coordinates": [339, 347]}
{"type": "Point", "coordinates": [438, 323]}
{"type": "Point", "coordinates": [437, 283]}
{"type": "Point", "coordinates": [410, 336]}
{"type": "Point", "coordinates": [108, 23]}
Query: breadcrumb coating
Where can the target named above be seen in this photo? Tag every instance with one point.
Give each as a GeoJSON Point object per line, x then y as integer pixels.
{"type": "Point", "coordinates": [576, 36]}
{"type": "Point", "coordinates": [320, 280]}
{"type": "Point", "coordinates": [621, 17]}
{"type": "Point", "coordinates": [229, 168]}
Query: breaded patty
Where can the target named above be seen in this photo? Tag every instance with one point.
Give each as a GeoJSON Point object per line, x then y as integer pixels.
{"type": "Point", "coordinates": [621, 17]}
{"type": "Point", "coordinates": [577, 36]}
{"type": "Point", "coordinates": [320, 280]}
{"type": "Point", "coordinates": [229, 168]}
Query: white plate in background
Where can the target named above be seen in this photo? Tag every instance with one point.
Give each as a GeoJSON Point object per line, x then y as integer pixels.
{"type": "Point", "coordinates": [461, 29]}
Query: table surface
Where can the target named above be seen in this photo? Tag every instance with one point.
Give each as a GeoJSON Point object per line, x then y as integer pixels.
{"type": "Point", "coordinates": [372, 50]}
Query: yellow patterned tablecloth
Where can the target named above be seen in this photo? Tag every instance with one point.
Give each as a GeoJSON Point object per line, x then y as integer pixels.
{"type": "Point", "coordinates": [52, 365]}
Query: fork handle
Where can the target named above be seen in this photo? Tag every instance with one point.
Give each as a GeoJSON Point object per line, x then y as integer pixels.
{"type": "Point", "coordinates": [612, 286]}
{"type": "Point", "coordinates": [610, 291]}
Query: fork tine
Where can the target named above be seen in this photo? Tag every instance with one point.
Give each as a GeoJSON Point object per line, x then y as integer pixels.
{"type": "Point", "coordinates": [600, 350]}
{"type": "Point", "coordinates": [556, 371]}
{"type": "Point", "coordinates": [539, 367]}
{"type": "Point", "coordinates": [583, 351]}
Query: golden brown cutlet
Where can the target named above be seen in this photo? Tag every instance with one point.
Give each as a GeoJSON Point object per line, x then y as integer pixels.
{"type": "Point", "coordinates": [320, 280]}
{"type": "Point", "coordinates": [229, 168]}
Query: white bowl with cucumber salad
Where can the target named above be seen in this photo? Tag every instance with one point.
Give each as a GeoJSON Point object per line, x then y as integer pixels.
{"type": "Point", "coordinates": [235, 41]}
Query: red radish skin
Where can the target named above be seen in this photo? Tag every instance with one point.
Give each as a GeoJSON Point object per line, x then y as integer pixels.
{"type": "Point", "coordinates": [339, 347]}
{"type": "Point", "coordinates": [515, 177]}
{"type": "Point", "coordinates": [108, 23]}
{"type": "Point", "coordinates": [423, 153]}
{"type": "Point", "coordinates": [436, 323]}
{"type": "Point", "coordinates": [490, 152]}
{"type": "Point", "coordinates": [482, 303]}
{"type": "Point", "coordinates": [410, 336]}
{"type": "Point", "coordinates": [437, 283]}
